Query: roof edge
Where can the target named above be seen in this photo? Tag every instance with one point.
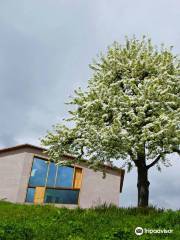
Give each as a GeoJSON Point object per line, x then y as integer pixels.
{"type": "Point", "coordinates": [27, 145]}
{"type": "Point", "coordinates": [7, 149]}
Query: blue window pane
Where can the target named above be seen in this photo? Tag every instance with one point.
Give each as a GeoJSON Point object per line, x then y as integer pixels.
{"type": "Point", "coordinates": [38, 173]}
{"type": "Point", "coordinates": [30, 195]}
{"type": "Point", "coordinates": [51, 175]}
{"type": "Point", "coordinates": [64, 176]}
{"type": "Point", "coordinates": [61, 196]}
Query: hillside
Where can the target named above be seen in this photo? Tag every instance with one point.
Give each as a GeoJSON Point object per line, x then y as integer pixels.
{"type": "Point", "coordinates": [103, 223]}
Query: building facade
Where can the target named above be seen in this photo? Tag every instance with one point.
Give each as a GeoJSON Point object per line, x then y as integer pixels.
{"type": "Point", "coordinates": [27, 176]}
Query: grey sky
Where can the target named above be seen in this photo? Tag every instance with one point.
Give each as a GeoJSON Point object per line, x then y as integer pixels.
{"type": "Point", "coordinates": [45, 49]}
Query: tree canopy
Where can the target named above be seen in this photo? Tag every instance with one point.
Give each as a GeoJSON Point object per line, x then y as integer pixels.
{"type": "Point", "coordinates": [131, 105]}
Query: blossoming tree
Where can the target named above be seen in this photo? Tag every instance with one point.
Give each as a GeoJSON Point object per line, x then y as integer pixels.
{"type": "Point", "coordinates": [129, 111]}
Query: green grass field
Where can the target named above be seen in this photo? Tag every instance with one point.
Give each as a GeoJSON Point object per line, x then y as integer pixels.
{"type": "Point", "coordinates": [103, 223]}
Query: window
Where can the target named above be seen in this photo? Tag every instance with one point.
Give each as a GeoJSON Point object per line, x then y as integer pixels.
{"type": "Point", "coordinates": [61, 196]}
{"type": "Point", "coordinates": [51, 175]}
{"type": "Point", "coordinates": [51, 183]}
{"type": "Point", "coordinates": [30, 195]}
{"type": "Point", "coordinates": [38, 173]}
{"type": "Point", "coordinates": [64, 176]}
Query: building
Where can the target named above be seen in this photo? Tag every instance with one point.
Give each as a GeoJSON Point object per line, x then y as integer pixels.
{"type": "Point", "coordinates": [26, 175]}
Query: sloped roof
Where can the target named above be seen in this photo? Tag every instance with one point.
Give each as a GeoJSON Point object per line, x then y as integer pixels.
{"type": "Point", "coordinates": [25, 145]}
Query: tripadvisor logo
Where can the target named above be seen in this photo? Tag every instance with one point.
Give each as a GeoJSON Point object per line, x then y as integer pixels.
{"type": "Point", "coordinates": [139, 231]}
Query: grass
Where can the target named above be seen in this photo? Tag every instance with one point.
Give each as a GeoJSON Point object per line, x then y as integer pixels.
{"type": "Point", "coordinates": [30, 222]}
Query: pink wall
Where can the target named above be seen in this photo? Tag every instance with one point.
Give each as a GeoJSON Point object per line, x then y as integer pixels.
{"type": "Point", "coordinates": [96, 190]}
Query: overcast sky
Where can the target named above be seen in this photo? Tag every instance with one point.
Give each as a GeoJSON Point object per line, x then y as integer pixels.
{"type": "Point", "coordinates": [45, 49]}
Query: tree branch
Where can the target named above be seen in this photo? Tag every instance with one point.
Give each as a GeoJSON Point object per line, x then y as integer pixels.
{"type": "Point", "coordinates": [154, 162]}
{"type": "Point", "coordinates": [176, 150]}
{"type": "Point", "coordinates": [160, 155]}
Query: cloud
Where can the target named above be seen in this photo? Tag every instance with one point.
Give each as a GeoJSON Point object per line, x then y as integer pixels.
{"type": "Point", "coordinates": [45, 49]}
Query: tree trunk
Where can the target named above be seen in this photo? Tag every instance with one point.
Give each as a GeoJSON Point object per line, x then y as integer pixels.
{"type": "Point", "coordinates": [143, 186]}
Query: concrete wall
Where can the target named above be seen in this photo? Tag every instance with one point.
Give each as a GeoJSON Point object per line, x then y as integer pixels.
{"type": "Point", "coordinates": [96, 190]}
{"type": "Point", "coordinates": [11, 168]}
{"type": "Point", "coordinates": [24, 178]}
{"type": "Point", "coordinates": [15, 169]}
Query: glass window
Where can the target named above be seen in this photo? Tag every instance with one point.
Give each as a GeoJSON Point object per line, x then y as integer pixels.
{"type": "Point", "coordinates": [30, 195]}
{"type": "Point", "coordinates": [61, 196]}
{"type": "Point", "coordinates": [64, 176]}
{"type": "Point", "coordinates": [51, 175]}
{"type": "Point", "coordinates": [38, 173]}
{"type": "Point", "coordinates": [57, 179]}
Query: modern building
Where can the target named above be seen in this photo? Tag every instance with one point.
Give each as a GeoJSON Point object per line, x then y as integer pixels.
{"type": "Point", "coordinates": [26, 175]}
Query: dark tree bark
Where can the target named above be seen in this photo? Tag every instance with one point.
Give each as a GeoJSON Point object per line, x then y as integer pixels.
{"type": "Point", "coordinates": [142, 181]}
{"type": "Point", "coordinates": [143, 186]}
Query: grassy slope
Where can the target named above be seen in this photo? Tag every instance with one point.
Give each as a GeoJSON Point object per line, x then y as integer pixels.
{"type": "Point", "coordinates": [47, 222]}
